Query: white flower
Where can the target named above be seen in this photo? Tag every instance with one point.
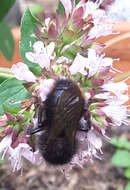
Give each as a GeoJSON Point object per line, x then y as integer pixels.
{"type": "Point", "coordinates": [93, 63]}
{"type": "Point", "coordinates": [78, 65]}
{"type": "Point", "coordinates": [35, 158]}
{"type": "Point", "coordinates": [117, 88]}
{"type": "Point", "coordinates": [106, 61]}
{"type": "Point", "coordinates": [98, 16]}
{"type": "Point", "coordinates": [67, 6]}
{"type": "Point", "coordinates": [100, 30]}
{"type": "Point", "coordinates": [116, 112]}
{"type": "Point", "coordinates": [90, 8]}
{"type": "Point", "coordinates": [63, 59]}
{"type": "Point", "coordinates": [45, 87]}
{"type": "Point", "coordinates": [5, 145]}
{"type": "Point", "coordinates": [105, 95]}
{"type": "Point", "coordinates": [16, 155]}
{"type": "Point", "coordinates": [96, 62]}
{"type": "Point", "coordinates": [23, 150]}
{"type": "Point", "coordinates": [88, 144]}
{"type": "Point", "coordinates": [94, 141]}
{"type": "Point", "coordinates": [42, 55]}
{"type": "Point", "coordinates": [22, 72]}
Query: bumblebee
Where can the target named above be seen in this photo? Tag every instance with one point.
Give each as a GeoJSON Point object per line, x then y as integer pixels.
{"type": "Point", "coordinates": [63, 113]}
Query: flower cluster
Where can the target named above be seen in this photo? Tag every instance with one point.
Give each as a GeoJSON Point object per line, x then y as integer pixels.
{"type": "Point", "coordinates": [66, 48]}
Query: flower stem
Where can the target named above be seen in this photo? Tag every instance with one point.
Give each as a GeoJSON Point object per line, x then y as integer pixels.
{"type": "Point", "coordinates": [5, 73]}
{"type": "Point", "coordinates": [116, 40]}
{"type": "Point", "coordinates": [121, 77]}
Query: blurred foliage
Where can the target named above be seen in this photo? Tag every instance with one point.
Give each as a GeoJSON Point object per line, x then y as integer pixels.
{"type": "Point", "coordinates": [1, 161]}
{"type": "Point", "coordinates": [6, 38]}
{"type": "Point", "coordinates": [36, 9]}
{"type": "Point", "coordinates": [12, 90]}
{"type": "Point", "coordinates": [27, 37]}
{"type": "Point", "coordinates": [121, 157]}
{"type": "Point", "coordinates": [5, 5]}
{"type": "Point", "coordinates": [6, 41]}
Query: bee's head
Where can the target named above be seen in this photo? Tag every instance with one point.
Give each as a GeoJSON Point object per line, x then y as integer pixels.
{"type": "Point", "coordinates": [58, 151]}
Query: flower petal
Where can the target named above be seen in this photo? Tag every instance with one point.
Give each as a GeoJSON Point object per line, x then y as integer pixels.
{"type": "Point", "coordinates": [45, 87]}
{"type": "Point", "coordinates": [117, 88]}
{"type": "Point", "coordinates": [5, 144]}
{"type": "Point", "coordinates": [67, 6]}
{"type": "Point", "coordinates": [22, 72]}
{"type": "Point", "coordinates": [78, 65]}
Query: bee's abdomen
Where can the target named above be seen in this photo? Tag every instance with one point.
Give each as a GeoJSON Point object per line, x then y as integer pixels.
{"type": "Point", "coordinates": [58, 151]}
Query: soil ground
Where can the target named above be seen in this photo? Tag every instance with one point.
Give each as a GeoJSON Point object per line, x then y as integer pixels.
{"type": "Point", "coordinates": [100, 174]}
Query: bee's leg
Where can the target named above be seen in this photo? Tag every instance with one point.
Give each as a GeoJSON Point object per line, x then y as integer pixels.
{"type": "Point", "coordinates": [31, 130]}
{"type": "Point", "coordinates": [84, 125]}
{"type": "Point", "coordinates": [41, 115]}
{"type": "Point", "coordinates": [41, 121]}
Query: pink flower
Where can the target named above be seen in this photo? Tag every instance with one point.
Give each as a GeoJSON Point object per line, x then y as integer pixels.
{"type": "Point", "coordinates": [2, 123]}
{"type": "Point", "coordinates": [9, 116]}
{"type": "Point", "coordinates": [42, 55]}
{"type": "Point", "coordinates": [98, 82]}
{"type": "Point", "coordinates": [22, 72]}
{"type": "Point", "coordinates": [8, 130]}
{"type": "Point", "coordinates": [45, 87]}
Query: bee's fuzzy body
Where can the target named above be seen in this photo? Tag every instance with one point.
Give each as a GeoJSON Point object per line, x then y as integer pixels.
{"type": "Point", "coordinates": [59, 119]}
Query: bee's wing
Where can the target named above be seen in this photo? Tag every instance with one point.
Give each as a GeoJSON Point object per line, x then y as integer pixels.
{"type": "Point", "coordinates": [67, 113]}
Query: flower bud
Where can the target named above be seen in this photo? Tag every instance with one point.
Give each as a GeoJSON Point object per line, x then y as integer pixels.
{"type": "Point", "coordinates": [8, 130]}
{"type": "Point", "coordinates": [9, 116]}
{"type": "Point", "coordinates": [98, 82]}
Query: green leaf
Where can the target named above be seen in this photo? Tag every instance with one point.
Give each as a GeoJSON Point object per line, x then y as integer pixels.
{"type": "Point", "coordinates": [120, 188]}
{"type": "Point", "coordinates": [1, 161]}
{"type": "Point", "coordinates": [121, 77]}
{"type": "Point", "coordinates": [11, 110]}
{"type": "Point", "coordinates": [5, 5]}
{"type": "Point", "coordinates": [5, 74]}
{"type": "Point", "coordinates": [70, 53]}
{"type": "Point", "coordinates": [77, 1]}
{"type": "Point", "coordinates": [6, 41]}
{"type": "Point", "coordinates": [36, 9]}
{"type": "Point", "coordinates": [61, 8]}
{"type": "Point", "coordinates": [12, 90]}
{"type": "Point", "coordinates": [121, 158]}
{"type": "Point", "coordinates": [28, 28]}
{"type": "Point", "coordinates": [69, 36]}
{"type": "Point", "coordinates": [120, 143]}
{"type": "Point", "coordinates": [127, 187]}
{"type": "Point", "coordinates": [127, 173]}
